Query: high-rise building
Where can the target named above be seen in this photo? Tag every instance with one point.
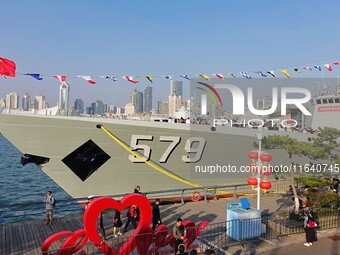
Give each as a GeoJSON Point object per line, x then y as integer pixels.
{"type": "Point", "coordinates": [12, 101]}
{"type": "Point", "coordinates": [78, 106]}
{"type": "Point", "coordinates": [2, 102]}
{"type": "Point", "coordinates": [99, 107]}
{"type": "Point", "coordinates": [163, 107]}
{"type": "Point", "coordinates": [40, 102]}
{"type": "Point", "coordinates": [26, 102]}
{"type": "Point", "coordinates": [176, 88]}
{"type": "Point", "coordinates": [263, 103]}
{"type": "Point", "coordinates": [148, 99]}
{"type": "Point", "coordinates": [129, 109]}
{"type": "Point", "coordinates": [89, 110]}
{"type": "Point", "coordinates": [136, 98]}
{"type": "Point", "coordinates": [64, 94]}
{"type": "Point", "coordinates": [175, 102]}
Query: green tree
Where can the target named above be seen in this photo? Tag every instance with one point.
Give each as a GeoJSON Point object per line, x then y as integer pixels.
{"type": "Point", "coordinates": [327, 144]}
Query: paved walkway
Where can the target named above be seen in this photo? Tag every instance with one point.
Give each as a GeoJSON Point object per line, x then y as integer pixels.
{"type": "Point", "coordinates": [27, 237]}
{"type": "Point", "coordinates": [328, 244]}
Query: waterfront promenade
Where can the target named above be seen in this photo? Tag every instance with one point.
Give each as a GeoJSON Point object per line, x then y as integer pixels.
{"type": "Point", "coordinates": [27, 237]}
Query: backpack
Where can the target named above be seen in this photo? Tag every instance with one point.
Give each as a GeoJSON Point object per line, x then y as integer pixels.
{"type": "Point", "coordinates": [54, 201]}
{"type": "Point", "coordinates": [311, 224]}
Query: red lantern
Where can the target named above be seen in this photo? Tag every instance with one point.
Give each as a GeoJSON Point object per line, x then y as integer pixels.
{"type": "Point", "coordinates": [266, 157]}
{"type": "Point", "coordinates": [266, 171]}
{"type": "Point", "coordinates": [252, 181]}
{"type": "Point", "coordinates": [265, 185]}
{"type": "Point", "coordinates": [253, 155]}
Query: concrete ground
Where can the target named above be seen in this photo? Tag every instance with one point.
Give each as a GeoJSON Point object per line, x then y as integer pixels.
{"type": "Point", "coordinates": [328, 244]}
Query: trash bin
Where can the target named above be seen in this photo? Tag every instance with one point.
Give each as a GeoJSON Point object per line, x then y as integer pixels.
{"type": "Point", "coordinates": [243, 223]}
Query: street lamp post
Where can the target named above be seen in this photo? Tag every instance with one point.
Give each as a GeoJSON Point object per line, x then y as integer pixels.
{"type": "Point", "coordinates": [259, 138]}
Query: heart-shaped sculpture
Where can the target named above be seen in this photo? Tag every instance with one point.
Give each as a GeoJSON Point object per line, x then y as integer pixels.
{"type": "Point", "coordinates": [98, 205]}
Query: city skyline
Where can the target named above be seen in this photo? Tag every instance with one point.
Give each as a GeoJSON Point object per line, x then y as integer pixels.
{"type": "Point", "coordinates": [156, 38]}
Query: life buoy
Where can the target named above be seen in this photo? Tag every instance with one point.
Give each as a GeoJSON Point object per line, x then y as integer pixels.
{"type": "Point", "coordinates": [195, 196]}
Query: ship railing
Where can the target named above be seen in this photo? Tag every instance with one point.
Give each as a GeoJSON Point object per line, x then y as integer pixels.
{"type": "Point", "coordinates": [207, 193]}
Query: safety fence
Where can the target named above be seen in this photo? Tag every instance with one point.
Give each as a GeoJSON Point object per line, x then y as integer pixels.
{"type": "Point", "coordinates": [217, 236]}
{"type": "Point", "coordinates": [33, 210]}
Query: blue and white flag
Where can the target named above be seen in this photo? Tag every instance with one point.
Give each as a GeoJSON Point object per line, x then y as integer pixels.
{"type": "Point", "coordinates": [111, 78]}
{"type": "Point", "coordinates": [232, 74]}
{"type": "Point", "coordinates": [185, 76]}
{"type": "Point", "coordinates": [261, 73]}
{"type": "Point", "coordinates": [318, 67]}
{"type": "Point", "coordinates": [245, 75]}
{"type": "Point", "coordinates": [167, 77]}
{"type": "Point", "coordinates": [35, 75]}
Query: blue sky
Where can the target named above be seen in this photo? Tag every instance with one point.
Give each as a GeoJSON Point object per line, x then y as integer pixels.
{"type": "Point", "coordinates": [159, 38]}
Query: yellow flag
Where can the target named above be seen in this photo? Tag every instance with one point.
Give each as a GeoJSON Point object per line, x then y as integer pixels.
{"type": "Point", "coordinates": [285, 72]}
{"type": "Point", "coordinates": [204, 76]}
{"type": "Point", "coordinates": [149, 77]}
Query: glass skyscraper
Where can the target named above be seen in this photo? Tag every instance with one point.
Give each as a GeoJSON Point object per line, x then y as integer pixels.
{"type": "Point", "coordinates": [176, 88]}
{"type": "Point", "coordinates": [64, 93]}
{"type": "Point", "coordinates": [26, 102]}
{"type": "Point", "coordinates": [148, 99]}
{"type": "Point", "coordinates": [79, 106]}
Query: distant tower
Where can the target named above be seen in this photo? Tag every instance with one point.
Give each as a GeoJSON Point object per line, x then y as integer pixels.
{"type": "Point", "coordinates": [79, 106]}
{"type": "Point", "coordinates": [148, 99]}
{"type": "Point", "coordinates": [163, 107]}
{"type": "Point", "coordinates": [26, 102]}
{"type": "Point", "coordinates": [176, 88]}
{"type": "Point", "coordinates": [40, 102]}
{"type": "Point", "coordinates": [64, 93]}
{"type": "Point", "coordinates": [175, 103]}
{"type": "Point", "coordinates": [99, 108]}
{"type": "Point", "coordinates": [136, 98]}
{"type": "Point", "coordinates": [139, 102]}
{"type": "Point", "coordinates": [12, 101]}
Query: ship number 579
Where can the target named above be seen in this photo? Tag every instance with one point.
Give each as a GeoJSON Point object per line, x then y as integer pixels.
{"type": "Point", "coordinates": [194, 147]}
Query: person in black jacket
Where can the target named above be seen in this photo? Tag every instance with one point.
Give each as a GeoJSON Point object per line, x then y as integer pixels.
{"type": "Point", "coordinates": [156, 215]}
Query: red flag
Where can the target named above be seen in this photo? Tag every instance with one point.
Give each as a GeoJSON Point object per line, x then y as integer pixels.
{"type": "Point", "coordinates": [7, 67]}
{"type": "Point", "coordinates": [61, 78]}
{"type": "Point", "coordinates": [130, 79]}
{"type": "Point", "coordinates": [328, 67]}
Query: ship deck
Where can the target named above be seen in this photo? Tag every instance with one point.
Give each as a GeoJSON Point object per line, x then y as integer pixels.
{"type": "Point", "coordinates": [27, 237]}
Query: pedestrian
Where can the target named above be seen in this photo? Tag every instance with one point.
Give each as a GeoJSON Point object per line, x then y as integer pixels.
{"type": "Point", "coordinates": [156, 215]}
{"type": "Point", "coordinates": [100, 223]}
{"type": "Point", "coordinates": [193, 252]}
{"type": "Point", "coordinates": [137, 191]}
{"type": "Point", "coordinates": [132, 215]}
{"type": "Point", "coordinates": [49, 204]}
{"type": "Point", "coordinates": [101, 226]}
{"type": "Point", "coordinates": [208, 252]}
{"type": "Point", "coordinates": [336, 183]}
{"type": "Point", "coordinates": [89, 199]}
{"type": "Point", "coordinates": [310, 224]}
{"type": "Point", "coordinates": [117, 223]}
{"type": "Point", "coordinates": [181, 250]}
{"type": "Point", "coordinates": [178, 233]}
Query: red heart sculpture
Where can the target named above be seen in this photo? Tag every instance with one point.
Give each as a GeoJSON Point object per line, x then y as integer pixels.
{"type": "Point", "coordinates": [100, 204]}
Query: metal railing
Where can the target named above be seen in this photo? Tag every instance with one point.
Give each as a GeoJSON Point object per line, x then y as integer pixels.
{"type": "Point", "coordinates": [34, 209]}
{"type": "Point", "coordinates": [220, 236]}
